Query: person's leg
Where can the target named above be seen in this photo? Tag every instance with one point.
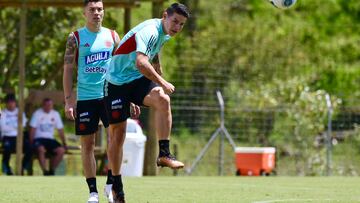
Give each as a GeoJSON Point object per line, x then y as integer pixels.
{"type": "Point", "coordinates": [5, 162]}
{"type": "Point", "coordinates": [88, 160]}
{"type": "Point", "coordinates": [55, 161]}
{"type": "Point", "coordinates": [117, 108]}
{"type": "Point", "coordinates": [8, 146]}
{"type": "Point", "coordinates": [117, 134]}
{"type": "Point", "coordinates": [26, 163]}
{"type": "Point", "coordinates": [86, 124]}
{"type": "Point", "coordinates": [110, 179]}
{"type": "Point", "coordinates": [160, 102]}
{"type": "Point", "coordinates": [104, 119]}
{"type": "Point", "coordinates": [41, 151]}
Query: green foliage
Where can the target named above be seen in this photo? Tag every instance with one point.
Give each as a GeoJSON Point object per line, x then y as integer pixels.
{"type": "Point", "coordinates": [279, 63]}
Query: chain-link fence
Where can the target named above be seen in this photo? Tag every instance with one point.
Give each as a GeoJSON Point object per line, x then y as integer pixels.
{"type": "Point", "coordinates": [299, 131]}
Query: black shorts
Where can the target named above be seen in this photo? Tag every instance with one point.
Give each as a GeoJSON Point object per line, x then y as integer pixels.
{"type": "Point", "coordinates": [118, 97]}
{"type": "Point", "coordinates": [49, 144]}
{"type": "Point", "coordinates": [88, 113]}
{"type": "Point", "coordinates": [9, 144]}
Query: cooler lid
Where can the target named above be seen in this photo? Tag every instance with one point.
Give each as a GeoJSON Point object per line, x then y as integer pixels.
{"type": "Point", "coordinates": [255, 150]}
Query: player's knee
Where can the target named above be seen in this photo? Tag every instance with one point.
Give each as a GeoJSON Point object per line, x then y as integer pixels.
{"type": "Point", "coordinates": [118, 132]}
{"type": "Point", "coordinates": [60, 151]}
{"type": "Point", "coordinates": [87, 144]}
{"type": "Point", "coordinates": [87, 147]}
{"type": "Point", "coordinates": [164, 101]}
{"type": "Point", "coordinates": [41, 150]}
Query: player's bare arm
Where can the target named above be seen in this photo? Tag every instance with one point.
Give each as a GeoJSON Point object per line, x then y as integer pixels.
{"type": "Point", "coordinates": [69, 65]}
{"type": "Point", "coordinates": [62, 137]}
{"type": "Point", "coordinates": [156, 64]}
{"type": "Point", "coordinates": [117, 41]}
{"type": "Point", "coordinates": [145, 68]}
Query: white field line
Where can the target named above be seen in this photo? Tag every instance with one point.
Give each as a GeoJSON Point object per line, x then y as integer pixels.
{"type": "Point", "coordinates": [293, 200]}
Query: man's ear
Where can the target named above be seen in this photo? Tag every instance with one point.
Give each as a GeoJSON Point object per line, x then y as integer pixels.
{"type": "Point", "coordinates": [165, 15]}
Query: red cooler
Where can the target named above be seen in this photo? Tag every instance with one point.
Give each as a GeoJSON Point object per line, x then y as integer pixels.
{"type": "Point", "coordinates": [254, 161]}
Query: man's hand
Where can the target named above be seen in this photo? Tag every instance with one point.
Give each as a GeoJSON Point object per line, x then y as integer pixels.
{"type": "Point", "coordinates": [70, 110]}
{"type": "Point", "coordinates": [168, 87]}
{"type": "Point", "coordinates": [134, 111]}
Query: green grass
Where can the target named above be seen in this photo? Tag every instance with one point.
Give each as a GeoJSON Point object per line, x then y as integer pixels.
{"type": "Point", "coordinates": [187, 189]}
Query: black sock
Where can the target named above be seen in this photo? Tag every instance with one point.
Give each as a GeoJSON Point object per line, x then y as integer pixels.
{"type": "Point", "coordinates": [92, 184]}
{"type": "Point", "coordinates": [117, 184]}
{"type": "Point", "coordinates": [46, 172]}
{"type": "Point", "coordinates": [164, 148]}
{"type": "Point", "coordinates": [110, 179]}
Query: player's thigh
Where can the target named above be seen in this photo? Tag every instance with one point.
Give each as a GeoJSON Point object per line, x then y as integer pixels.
{"type": "Point", "coordinates": [142, 88]}
{"type": "Point", "coordinates": [39, 145]}
{"type": "Point", "coordinates": [87, 117]}
{"type": "Point", "coordinates": [102, 113]}
{"type": "Point", "coordinates": [117, 102]}
{"type": "Point", "coordinates": [117, 133]}
{"type": "Point", "coordinates": [53, 146]}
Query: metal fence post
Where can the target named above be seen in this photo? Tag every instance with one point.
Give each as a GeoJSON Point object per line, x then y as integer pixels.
{"type": "Point", "coordinates": [329, 137]}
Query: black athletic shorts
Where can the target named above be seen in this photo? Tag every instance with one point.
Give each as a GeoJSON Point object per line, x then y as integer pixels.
{"type": "Point", "coordinates": [88, 113]}
{"type": "Point", "coordinates": [9, 144]}
{"type": "Point", "coordinates": [49, 144]}
{"type": "Point", "coordinates": [118, 97]}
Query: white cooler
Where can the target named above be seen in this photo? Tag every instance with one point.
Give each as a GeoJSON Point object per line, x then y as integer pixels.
{"type": "Point", "coordinates": [134, 149]}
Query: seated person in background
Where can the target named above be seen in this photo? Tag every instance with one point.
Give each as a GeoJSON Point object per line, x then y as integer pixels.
{"type": "Point", "coordinates": [9, 131]}
{"type": "Point", "coordinates": [43, 123]}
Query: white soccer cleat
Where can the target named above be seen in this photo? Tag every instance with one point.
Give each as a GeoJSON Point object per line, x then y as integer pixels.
{"type": "Point", "coordinates": [108, 193]}
{"type": "Point", "coordinates": [94, 198]}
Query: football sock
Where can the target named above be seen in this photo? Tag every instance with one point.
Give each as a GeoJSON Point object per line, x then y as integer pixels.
{"type": "Point", "coordinates": [92, 184]}
{"type": "Point", "coordinates": [164, 148]}
{"type": "Point", "coordinates": [117, 184]}
{"type": "Point", "coordinates": [110, 179]}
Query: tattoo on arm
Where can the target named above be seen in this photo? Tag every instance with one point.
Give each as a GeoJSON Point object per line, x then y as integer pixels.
{"type": "Point", "coordinates": [70, 49]}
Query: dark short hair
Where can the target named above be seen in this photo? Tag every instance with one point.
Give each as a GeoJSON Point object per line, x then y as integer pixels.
{"type": "Point", "coordinates": [45, 100]}
{"type": "Point", "coordinates": [178, 8]}
{"type": "Point", "coordinates": [86, 2]}
{"type": "Point", "coordinates": [10, 97]}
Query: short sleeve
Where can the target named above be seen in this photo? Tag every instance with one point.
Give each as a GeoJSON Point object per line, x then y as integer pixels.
{"type": "Point", "coordinates": [34, 120]}
{"type": "Point", "coordinates": [59, 123]}
{"type": "Point", "coordinates": [24, 120]}
{"type": "Point", "coordinates": [1, 121]}
{"type": "Point", "coordinates": [146, 40]}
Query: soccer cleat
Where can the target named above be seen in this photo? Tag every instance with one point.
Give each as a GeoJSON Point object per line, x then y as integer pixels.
{"type": "Point", "coordinates": [108, 193]}
{"type": "Point", "coordinates": [169, 161]}
{"type": "Point", "coordinates": [119, 197]}
{"type": "Point", "coordinates": [94, 198]}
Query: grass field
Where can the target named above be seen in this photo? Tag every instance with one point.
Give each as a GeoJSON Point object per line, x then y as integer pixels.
{"type": "Point", "coordinates": [186, 189]}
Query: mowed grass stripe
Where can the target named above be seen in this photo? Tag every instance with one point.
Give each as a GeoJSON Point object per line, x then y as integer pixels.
{"type": "Point", "coordinates": [186, 189]}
